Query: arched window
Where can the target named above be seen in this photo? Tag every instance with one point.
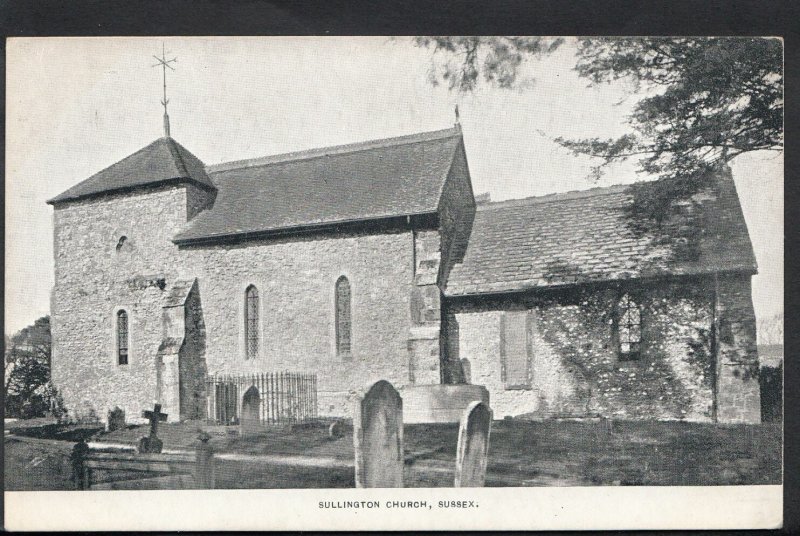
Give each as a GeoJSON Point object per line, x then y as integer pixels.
{"type": "Point", "coordinates": [122, 337]}
{"type": "Point", "coordinates": [343, 340]}
{"type": "Point", "coordinates": [251, 321]}
{"type": "Point", "coordinates": [629, 328]}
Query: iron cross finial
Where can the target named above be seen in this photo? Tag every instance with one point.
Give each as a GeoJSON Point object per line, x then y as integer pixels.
{"type": "Point", "coordinates": [165, 63]}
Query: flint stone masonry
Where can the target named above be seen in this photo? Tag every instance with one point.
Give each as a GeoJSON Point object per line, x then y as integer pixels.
{"type": "Point", "coordinates": [181, 355]}
{"type": "Point", "coordinates": [93, 281]}
{"type": "Point", "coordinates": [296, 277]}
{"type": "Point", "coordinates": [576, 371]}
{"type": "Point", "coordinates": [739, 395]}
{"type": "Point", "coordinates": [424, 356]}
{"type": "Point", "coordinates": [173, 346]}
{"type": "Point", "coordinates": [198, 200]}
{"type": "Point", "coordinates": [192, 365]}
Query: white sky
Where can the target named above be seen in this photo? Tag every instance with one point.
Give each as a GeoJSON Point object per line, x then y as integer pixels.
{"type": "Point", "coordinates": [75, 106]}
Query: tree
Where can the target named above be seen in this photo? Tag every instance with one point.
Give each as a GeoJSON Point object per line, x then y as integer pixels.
{"type": "Point", "coordinates": [459, 61]}
{"type": "Point", "coordinates": [28, 392]}
{"type": "Point", "coordinates": [703, 101]}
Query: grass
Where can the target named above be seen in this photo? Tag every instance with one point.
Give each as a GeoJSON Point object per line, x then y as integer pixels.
{"type": "Point", "coordinates": [521, 453]}
{"type": "Point", "coordinates": [33, 466]}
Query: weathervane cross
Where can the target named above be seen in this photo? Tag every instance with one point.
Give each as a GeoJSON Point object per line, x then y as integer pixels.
{"type": "Point", "coordinates": [165, 63]}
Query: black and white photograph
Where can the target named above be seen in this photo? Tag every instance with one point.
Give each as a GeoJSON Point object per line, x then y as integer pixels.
{"type": "Point", "coordinates": [359, 263]}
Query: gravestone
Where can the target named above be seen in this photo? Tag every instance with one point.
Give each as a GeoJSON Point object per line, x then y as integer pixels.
{"type": "Point", "coordinates": [378, 437]}
{"type": "Point", "coordinates": [473, 446]}
{"type": "Point", "coordinates": [250, 421]}
{"type": "Point", "coordinates": [152, 444]}
{"type": "Point", "coordinates": [336, 430]}
{"type": "Point", "coordinates": [80, 475]}
{"type": "Point", "coordinates": [204, 473]}
{"type": "Point", "coordinates": [116, 419]}
{"type": "Point", "coordinates": [466, 370]}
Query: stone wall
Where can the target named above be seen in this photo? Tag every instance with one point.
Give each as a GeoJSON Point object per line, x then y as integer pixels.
{"type": "Point", "coordinates": [739, 395]}
{"type": "Point", "coordinates": [295, 278]}
{"type": "Point", "coordinates": [192, 364]}
{"type": "Point", "coordinates": [94, 278]}
{"type": "Point", "coordinates": [574, 365]}
{"type": "Point", "coordinates": [198, 199]}
{"type": "Point", "coordinates": [424, 352]}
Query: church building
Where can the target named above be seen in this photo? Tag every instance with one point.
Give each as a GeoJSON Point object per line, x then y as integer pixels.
{"type": "Point", "coordinates": [374, 261]}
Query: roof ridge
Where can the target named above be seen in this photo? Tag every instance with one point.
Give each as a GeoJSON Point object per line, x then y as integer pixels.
{"type": "Point", "coordinates": [176, 156]}
{"type": "Point", "coordinates": [555, 197]}
{"type": "Point", "coordinates": [190, 163]}
{"type": "Point", "coordinates": [336, 149]}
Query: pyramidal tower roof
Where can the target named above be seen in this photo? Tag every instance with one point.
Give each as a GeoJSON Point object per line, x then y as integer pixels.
{"type": "Point", "coordinates": [163, 161]}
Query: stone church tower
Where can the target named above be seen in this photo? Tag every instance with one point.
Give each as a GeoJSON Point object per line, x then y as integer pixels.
{"type": "Point", "coordinates": [119, 305]}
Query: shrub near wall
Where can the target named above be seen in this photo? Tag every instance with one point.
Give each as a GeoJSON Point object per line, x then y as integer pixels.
{"type": "Point", "coordinates": [576, 369]}
{"type": "Point", "coordinates": [771, 381]}
{"type": "Point", "coordinates": [672, 377]}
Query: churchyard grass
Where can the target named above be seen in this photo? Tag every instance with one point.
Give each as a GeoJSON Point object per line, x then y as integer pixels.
{"type": "Point", "coordinates": [36, 465]}
{"type": "Point", "coordinates": [521, 453]}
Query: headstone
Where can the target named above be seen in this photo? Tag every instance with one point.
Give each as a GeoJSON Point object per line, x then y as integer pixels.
{"type": "Point", "coordinates": [336, 430]}
{"type": "Point", "coordinates": [80, 474]}
{"type": "Point", "coordinates": [466, 370]}
{"type": "Point", "coordinates": [116, 419]}
{"type": "Point", "coordinates": [606, 426]}
{"type": "Point", "coordinates": [378, 437]}
{"type": "Point", "coordinates": [152, 444]}
{"type": "Point", "coordinates": [250, 422]}
{"type": "Point", "coordinates": [204, 477]}
{"type": "Point", "coordinates": [473, 446]}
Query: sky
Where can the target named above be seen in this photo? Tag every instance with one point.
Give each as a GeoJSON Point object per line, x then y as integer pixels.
{"type": "Point", "coordinates": [77, 105]}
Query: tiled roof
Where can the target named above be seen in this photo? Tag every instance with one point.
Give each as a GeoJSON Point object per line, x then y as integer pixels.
{"type": "Point", "coordinates": [161, 161]}
{"type": "Point", "coordinates": [365, 181]}
{"type": "Point", "coordinates": [580, 237]}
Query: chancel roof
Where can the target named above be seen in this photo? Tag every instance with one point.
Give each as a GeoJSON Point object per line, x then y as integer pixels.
{"type": "Point", "coordinates": [587, 236]}
{"type": "Point", "coordinates": [365, 181]}
{"type": "Point", "coordinates": [164, 160]}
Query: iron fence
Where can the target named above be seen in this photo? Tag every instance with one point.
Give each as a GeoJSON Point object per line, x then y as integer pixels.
{"type": "Point", "coordinates": [283, 397]}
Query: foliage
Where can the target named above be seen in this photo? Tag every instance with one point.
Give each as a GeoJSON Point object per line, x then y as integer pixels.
{"type": "Point", "coordinates": [703, 101]}
{"type": "Point", "coordinates": [771, 383]}
{"type": "Point", "coordinates": [28, 391]}
{"type": "Point", "coordinates": [464, 59]}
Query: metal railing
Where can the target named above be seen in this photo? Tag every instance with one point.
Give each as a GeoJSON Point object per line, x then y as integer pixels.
{"type": "Point", "coordinates": [281, 397]}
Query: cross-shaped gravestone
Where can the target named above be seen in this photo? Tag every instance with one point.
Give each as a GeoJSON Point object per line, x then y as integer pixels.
{"type": "Point", "coordinates": [153, 444]}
